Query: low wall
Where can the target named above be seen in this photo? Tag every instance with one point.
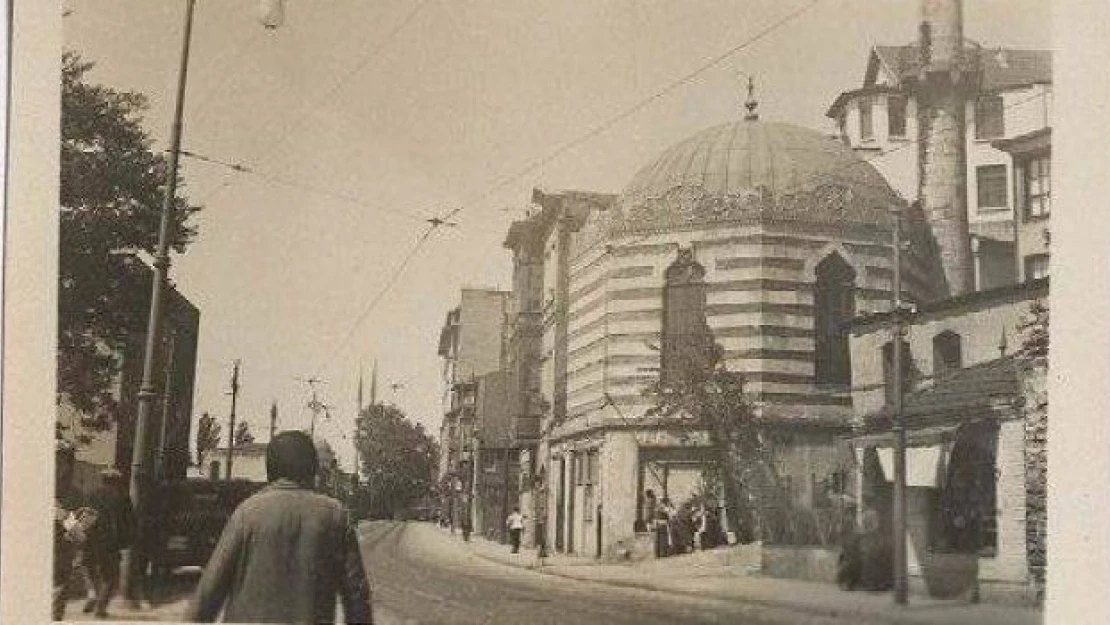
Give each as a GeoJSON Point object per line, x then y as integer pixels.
{"type": "Point", "coordinates": [816, 564]}
{"type": "Point", "coordinates": [640, 546]}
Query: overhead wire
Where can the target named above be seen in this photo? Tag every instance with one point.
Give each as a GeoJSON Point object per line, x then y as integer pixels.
{"type": "Point", "coordinates": [387, 286]}
{"type": "Point", "coordinates": [304, 186]}
{"type": "Point", "coordinates": [590, 134]}
{"type": "Point", "coordinates": [358, 66]}
{"type": "Point", "coordinates": [643, 103]}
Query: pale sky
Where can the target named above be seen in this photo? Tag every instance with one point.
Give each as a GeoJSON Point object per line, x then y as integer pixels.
{"type": "Point", "coordinates": [465, 95]}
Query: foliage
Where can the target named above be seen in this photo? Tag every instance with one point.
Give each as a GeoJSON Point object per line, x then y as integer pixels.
{"type": "Point", "coordinates": [110, 200]}
{"type": "Point", "coordinates": [243, 434]}
{"type": "Point", "coordinates": [699, 388]}
{"type": "Point", "coordinates": [1034, 329]}
{"type": "Point", "coordinates": [398, 457]}
{"type": "Point", "coordinates": [208, 436]}
{"type": "Point", "coordinates": [1034, 334]}
{"type": "Point", "coordinates": [825, 527]}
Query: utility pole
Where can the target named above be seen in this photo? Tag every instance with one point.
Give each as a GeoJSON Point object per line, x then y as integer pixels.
{"type": "Point", "coordinates": [140, 445]}
{"type": "Point", "coordinates": [505, 494]}
{"type": "Point", "coordinates": [167, 388]}
{"type": "Point", "coordinates": [358, 415]}
{"type": "Point", "coordinates": [273, 419]}
{"type": "Point", "coordinates": [314, 404]}
{"type": "Point", "coordinates": [231, 425]}
{"type": "Point", "coordinates": [901, 585]}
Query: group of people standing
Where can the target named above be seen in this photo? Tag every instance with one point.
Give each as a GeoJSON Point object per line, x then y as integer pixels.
{"type": "Point", "coordinates": [90, 532]}
{"type": "Point", "coordinates": [684, 529]}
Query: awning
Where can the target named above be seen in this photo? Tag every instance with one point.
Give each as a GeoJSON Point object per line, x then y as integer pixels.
{"type": "Point", "coordinates": [921, 436]}
{"type": "Point", "coordinates": [923, 465]}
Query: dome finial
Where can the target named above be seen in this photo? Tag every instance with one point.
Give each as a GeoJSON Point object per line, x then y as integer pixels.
{"type": "Point", "coordinates": [751, 104]}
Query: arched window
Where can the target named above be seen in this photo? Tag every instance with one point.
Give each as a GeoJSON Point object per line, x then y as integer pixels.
{"type": "Point", "coordinates": [834, 305]}
{"type": "Point", "coordinates": [947, 353]}
{"type": "Point", "coordinates": [685, 330]}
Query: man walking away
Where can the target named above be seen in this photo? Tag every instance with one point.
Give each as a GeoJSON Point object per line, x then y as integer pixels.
{"type": "Point", "coordinates": [113, 532]}
{"type": "Point", "coordinates": [287, 552]}
{"type": "Point", "coordinates": [515, 523]}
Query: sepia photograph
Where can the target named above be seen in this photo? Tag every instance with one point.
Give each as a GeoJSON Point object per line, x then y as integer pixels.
{"type": "Point", "coordinates": [416, 312]}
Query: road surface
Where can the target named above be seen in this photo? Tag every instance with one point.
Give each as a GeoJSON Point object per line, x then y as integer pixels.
{"type": "Point", "coordinates": [420, 575]}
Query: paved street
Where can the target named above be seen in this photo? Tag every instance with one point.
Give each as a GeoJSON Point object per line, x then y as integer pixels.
{"type": "Point", "coordinates": [422, 575]}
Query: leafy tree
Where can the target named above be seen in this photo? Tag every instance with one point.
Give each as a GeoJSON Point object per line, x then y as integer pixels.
{"type": "Point", "coordinates": [701, 389]}
{"type": "Point", "coordinates": [243, 434]}
{"type": "Point", "coordinates": [398, 459]}
{"type": "Point", "coordinates": [110, 200]}
{"type": "Point", "coordinates": [208, 436]}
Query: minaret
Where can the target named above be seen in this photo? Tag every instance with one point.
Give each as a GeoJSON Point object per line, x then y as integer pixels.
{"type": "Point", "coordinates": [945, 82]}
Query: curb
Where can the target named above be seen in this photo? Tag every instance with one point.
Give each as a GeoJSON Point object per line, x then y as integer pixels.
{"type": "Point", "coordinates": [858, 615]}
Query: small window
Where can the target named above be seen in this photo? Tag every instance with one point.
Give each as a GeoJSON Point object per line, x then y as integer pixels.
{"type": "Point", "coordinates": [990, 181]}
{"type": "Point", "coordinates": [866, 128]}
{"type": "Point", "coordinates": [896, 116]}
{"type": "Point", "coordinates": [947, 353]}
{"type": "Point", "coordinates": [988, 117]}
{"type": "Point", "coordinates": [1037, 191]}
{"type": "Point", "coordinates": [1036, 266]}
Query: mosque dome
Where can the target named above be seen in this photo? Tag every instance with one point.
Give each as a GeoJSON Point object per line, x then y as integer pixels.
{"type": "Point", "coordinates": [750, 170]}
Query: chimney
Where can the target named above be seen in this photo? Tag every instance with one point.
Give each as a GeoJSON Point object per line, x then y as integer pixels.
{"type": "Point", "coordinates": [942, 89]}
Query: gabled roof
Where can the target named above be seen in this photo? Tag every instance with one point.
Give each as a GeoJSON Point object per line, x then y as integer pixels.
{"type": "Point", "coordinates": [1003, 68]}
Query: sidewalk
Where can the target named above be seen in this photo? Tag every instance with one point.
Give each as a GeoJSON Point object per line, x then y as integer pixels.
{"type": "Point", "coordinates": [121, 610]}
{"type": "Point", "coordinates": [705, 574]}
{"type": "Point", "coordinates": [170, 602]}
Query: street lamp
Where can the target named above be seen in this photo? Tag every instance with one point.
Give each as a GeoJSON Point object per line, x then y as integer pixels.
{"type": "Point", "coordinates": [271, 13]}
{"type": "Point", "coordinates": [271, 18]}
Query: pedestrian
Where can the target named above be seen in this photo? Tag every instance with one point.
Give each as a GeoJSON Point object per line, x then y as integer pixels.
{"type": "Point", "coordinates": [466, 527]}
{"type": "Point", "coordinates": [684, 529]}
{"type": "Point", "coordinates": [73, 520]}
{"type": "Point", "coordinates": [66, 500]}
{"type": "Point", "coordinates": [113, 532]}
{"type": "Point", "coordinates": [663, 540]}
{"type": "Point", "coordinates": [648, 512]}
{"type": "Point", "coordinates": [515, 523]}
{"type": "Point", "coordinates": [287, 553]}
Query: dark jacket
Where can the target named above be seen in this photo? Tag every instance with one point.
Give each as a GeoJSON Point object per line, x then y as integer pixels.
{"type": "Point", "coordinates": [115, 525]}
{"type": "Point", "coordinates": [285, 555]}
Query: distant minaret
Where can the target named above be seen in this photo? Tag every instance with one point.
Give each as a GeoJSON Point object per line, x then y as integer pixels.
{"type": "Point", "coordinates": [374, 383]}
{"type": "Point", "coordinates": [945, 82]}
{"type": "Point", "coordinates": [358, 397]}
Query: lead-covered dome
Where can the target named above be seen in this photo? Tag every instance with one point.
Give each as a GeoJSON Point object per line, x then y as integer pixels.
{"type": "Point", "coordinates": [753, 170]}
